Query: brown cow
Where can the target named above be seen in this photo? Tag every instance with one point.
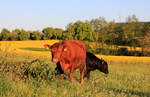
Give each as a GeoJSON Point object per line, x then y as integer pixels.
{"type": "Point", "coordinates": [71, 54]}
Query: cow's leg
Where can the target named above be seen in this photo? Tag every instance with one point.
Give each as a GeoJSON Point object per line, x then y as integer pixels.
{"type": "Point", "coordinates": [64, 68]}
{"type": "Point", "coordinates": [71, 74]}
{"type": "Point", "coordinates": [88, 75]}
{"type": "Point", "coordinates": [82, 69]}
{"type": "Point", "coordinates": [85, 74]}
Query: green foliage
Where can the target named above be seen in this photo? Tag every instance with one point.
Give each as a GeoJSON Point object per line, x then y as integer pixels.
{"type": "Point", "coordinates": [100, 27]}
{"type": "Point", "coordinates": [38, 70]}
{"type": "Point", "coordinates": [122, 51]}
{"type": "Point", "coordinates": [35, 35]}
{"type": "Point", "coordinates": [98, 23]}
{"type": "Point", "coordinates": [25, 67]}
{"type": "Point", "coordinates": [134, 42]}
{"type": "Point", "coordinates": [24, 35]}
{"type": "Point", "coordinates": [5, 34]}
{"type": "Point", "coordinates": [80, 31]}
{"type": "Point", "coordinates": [52, 33]}
{"type": "Point", "coordinates": [57, 33]}
{"type": "Point", "coordinates": [130, 27]}
{"type": "Point", "coordinates": [47, 33]}
{"type": "Point", "coordinates": [116, 52]}
{"type": "Point", "coordinates": [5, 86]}
{"type": "Point", "coordinates": [15, 34]}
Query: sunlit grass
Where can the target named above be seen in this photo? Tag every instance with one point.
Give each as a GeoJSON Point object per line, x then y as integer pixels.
{"type": "Point", "coordinates": [119, 83]}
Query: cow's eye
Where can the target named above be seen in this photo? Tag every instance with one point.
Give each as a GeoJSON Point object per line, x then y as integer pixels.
{"type": "Point", "coordinates": [54, 49]}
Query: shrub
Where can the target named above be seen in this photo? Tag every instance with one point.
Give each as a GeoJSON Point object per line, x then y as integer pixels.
{"type": "Point", "coordinates": [122, 51]}
{"type": "Point", "coordinates": [38, 69]}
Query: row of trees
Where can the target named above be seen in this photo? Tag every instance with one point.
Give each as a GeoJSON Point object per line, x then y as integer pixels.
{"type": "Point", "coordinates": [78, 30]}
{"type": "Point", "coordinates": [132, 32]}
{"type": "Point", "coordinates": [21, 34]}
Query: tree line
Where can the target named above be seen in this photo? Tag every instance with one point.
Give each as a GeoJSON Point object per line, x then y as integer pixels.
{"type": "Point", "coordinates": [130, 33]}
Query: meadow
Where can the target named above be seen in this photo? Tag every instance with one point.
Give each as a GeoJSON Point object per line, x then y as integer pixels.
{"type": "Point", "coordinates": [26, 70]}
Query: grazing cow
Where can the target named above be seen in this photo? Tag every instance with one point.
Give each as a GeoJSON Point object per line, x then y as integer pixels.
{"type": "Point", "coordinates": [71, 54]}
{"type": "Point", "coordinates": [92, 63]}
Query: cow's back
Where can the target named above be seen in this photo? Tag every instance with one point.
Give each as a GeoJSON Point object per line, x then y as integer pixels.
{"type": "Point", "coordinates": [76, 42]}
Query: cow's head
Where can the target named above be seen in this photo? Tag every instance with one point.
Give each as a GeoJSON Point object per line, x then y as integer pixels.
{"type": "Point", "coordinates": [56, 50]}
{"type": "Point", "coordinates": [103, 66]}
{"type": "Point", "coordinates": [56, 54]}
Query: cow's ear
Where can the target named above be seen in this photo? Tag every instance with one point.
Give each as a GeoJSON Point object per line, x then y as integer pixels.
{"type": "Point", "coordinates": [47, 46]}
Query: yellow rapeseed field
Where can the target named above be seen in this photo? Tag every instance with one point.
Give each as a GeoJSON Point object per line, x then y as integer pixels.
{"type": "Point", "coordinates": [15, 47]}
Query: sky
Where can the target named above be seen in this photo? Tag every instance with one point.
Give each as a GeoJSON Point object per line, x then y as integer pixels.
{"type": "Point", "coordinates": [38, 14]}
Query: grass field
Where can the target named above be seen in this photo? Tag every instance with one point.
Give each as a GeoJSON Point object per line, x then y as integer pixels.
{"type": "Point", "coordinates": [128, 77]}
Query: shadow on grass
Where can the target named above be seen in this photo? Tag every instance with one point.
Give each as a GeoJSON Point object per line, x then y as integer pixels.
{"type": "Point", "coordinates": [130, 92]}
{"type": "Point", "coordinates": [35, 49]}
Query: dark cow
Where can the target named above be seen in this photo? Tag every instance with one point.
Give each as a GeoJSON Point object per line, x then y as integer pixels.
{"type": "Point", "coordinates": [71, 54]}
{"type": "Point", "coordinates": [92, 63]}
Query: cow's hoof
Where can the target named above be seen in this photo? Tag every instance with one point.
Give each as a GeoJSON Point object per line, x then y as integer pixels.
{"type": "Point", "coordinates": [81, 82]}
{"type": "Point", "coordinates": [72, 80]}
{"type": "Point", "coordinates": [62, 77]}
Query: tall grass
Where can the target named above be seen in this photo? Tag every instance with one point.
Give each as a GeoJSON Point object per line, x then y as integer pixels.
{"type": "Point", "coordinates": [125, 80]}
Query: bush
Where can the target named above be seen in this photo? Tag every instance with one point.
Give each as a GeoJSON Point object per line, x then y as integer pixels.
{"type": "Point", "coordinates": [38, 69]}
{"type": "Point", "coordinates": [25, 68]}
{"type": "Point", "coordinates": [119, 52]}
{"type": "Point", "coordinates": [122, 51]}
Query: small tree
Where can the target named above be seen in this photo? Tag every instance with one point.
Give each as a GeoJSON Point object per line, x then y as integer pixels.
{"type": "Point", "coordinates": [80, 31]}
{"type": "Point", "coordinates": [57, 33]}
{"type": "Point", "coordinates": [47, 33]}
{"type": "Point", "coordinates": [14, 35]}
{"type": "Point", "coordinates": [35, 35]}
{"type": "Point", "coordinates": [131, 30]}
{"type": "Point", "coordinates": [145, 42]}
{"type": "Point", "coordinates": [111, 34]}
{"type": "Point", "coordinates": [24, 35]}
{"type": "Point", "coordinates": [99, 26]}
{"type": "Point", "coordinates": [69, 33]}
{"type": "Point", "coordinates": [5, 34]}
